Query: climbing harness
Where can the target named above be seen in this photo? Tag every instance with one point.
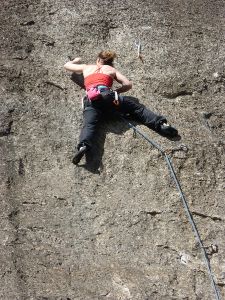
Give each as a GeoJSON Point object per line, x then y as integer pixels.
{"type": "Point", "coordinates": [101, 89]}
{"type": "Point", "coordinates": [183, 200]}
{"type": "Point", "coordinates": [93, 93]}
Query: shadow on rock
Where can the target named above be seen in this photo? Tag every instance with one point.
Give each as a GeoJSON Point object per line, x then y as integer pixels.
{"type": "Point", "coordinates": [174, 139]}
{"type": "Point", "coordinates": [78, 79]}
{"type": "Point", "coordinates": [112, 124]}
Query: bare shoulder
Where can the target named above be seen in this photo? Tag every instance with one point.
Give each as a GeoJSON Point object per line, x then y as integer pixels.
{"type": "Point", "coordinates": [88, 69]}
{"type": "Point", "coordinates": [119, 77]}
{"type": "Point", "coordinates": [109, 70]}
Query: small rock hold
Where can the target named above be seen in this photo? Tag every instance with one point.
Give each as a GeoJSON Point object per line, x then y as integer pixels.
{"type": "Point", "coordinates": [207, 115]}
{"type": "Point", "coordinates": [184, 258]}
{"type": "Point", "coordinates": [216, 75]}
{"type": "Point", "coordinates": [28, 23]}
{"type": "Point", "coordinates": [21, 170]}
{"type": "Point", "coordinates": [214, 248]}
{"type": "Point", "coordinates": [181, 84]}
{"type": "Point", "coordinates": [50, 43]}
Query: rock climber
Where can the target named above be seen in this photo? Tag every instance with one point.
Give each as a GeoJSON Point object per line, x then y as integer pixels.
{"type": "Point", "coordinates": [101, 99]}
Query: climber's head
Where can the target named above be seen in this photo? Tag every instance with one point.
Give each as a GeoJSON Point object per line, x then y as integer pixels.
{"type": "Point", "coordinates": [106, 57]}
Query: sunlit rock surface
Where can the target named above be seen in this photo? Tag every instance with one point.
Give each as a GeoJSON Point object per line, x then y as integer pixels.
{"type": "Point", "coordinates": [114, 227]}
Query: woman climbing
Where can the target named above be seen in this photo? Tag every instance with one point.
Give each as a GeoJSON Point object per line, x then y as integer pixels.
{"type": "Point", "coordinates": [101, 99]}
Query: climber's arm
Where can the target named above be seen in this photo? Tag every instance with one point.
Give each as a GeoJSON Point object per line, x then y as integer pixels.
{"type": "Point", "coordinates": [75, 65]}
{"type": "Point", "coordinates": [126, 83]}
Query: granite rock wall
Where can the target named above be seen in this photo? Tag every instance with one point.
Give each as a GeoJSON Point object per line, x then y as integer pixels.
{"type": "Point", "coordinates": [113, 227]}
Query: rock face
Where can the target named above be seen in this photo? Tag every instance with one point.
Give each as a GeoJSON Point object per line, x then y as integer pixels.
{"type": "Point", "coordinates": [113, 228]}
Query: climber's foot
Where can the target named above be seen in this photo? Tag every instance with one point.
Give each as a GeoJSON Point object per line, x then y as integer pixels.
{"type": "Point", "coordinates": [167, 130]}
{"type": "Point", "coordinates": [80, 153]}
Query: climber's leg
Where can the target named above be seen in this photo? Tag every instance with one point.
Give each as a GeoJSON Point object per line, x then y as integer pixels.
{"type": "Point", "coordinates": [147, 117]}
{"type": "Point", "coordinates": [91, 117]}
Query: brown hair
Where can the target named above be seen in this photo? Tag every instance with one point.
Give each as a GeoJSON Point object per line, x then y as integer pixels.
{"type": "Point", "coordinates": [107, 56]}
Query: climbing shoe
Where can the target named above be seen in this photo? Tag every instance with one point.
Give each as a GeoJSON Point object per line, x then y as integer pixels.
{"type": "Point", "coordinates": [167, 130]}
{"type": "Point", "coordinates": [80, 153]}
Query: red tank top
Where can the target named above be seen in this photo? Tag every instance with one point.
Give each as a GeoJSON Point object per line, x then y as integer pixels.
{"type": "Point", "coordinates": [98, 78]}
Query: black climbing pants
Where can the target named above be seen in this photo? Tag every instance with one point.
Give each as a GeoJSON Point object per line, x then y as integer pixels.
{"type": "Point", "coordinates": [94, 111]}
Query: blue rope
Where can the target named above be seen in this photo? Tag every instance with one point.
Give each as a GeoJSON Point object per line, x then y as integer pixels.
{"type": "Point", "coordinates": [184, 202]}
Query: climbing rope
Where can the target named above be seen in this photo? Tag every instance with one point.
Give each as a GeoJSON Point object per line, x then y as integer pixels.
{"type": "Point", "coordinates": [184, 202]}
